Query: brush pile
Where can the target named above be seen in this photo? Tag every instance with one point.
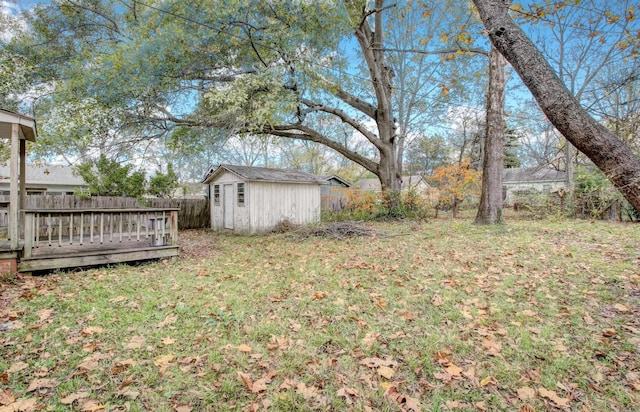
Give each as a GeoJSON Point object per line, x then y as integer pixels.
{"type": "Point", "coordinates": [336, 230]}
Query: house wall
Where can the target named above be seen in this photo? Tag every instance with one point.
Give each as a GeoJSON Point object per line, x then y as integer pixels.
{"type": "Point", "coordinates": [515, 189]}
{"type": "Point", "coordinates": [43, 188]}
{"type": "Point", "coordinates": [266, 204]}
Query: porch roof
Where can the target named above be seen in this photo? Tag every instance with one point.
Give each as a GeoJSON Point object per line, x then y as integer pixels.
{"type": "Point", "coordinates": [27, 125]}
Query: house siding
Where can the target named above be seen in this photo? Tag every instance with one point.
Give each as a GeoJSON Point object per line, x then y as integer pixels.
{"type": "Point", "coordinates": [512, 189]}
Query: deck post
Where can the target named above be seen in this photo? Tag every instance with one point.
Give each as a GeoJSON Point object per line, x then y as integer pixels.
{"type": "Point", "coordinates": [29, 234]}
{"type": "Point", "coordinates": [23, 173]}
{"type": "Point", "coordinates": [173, 227]}
{"type": "Point", "coordinates": [14, 189]}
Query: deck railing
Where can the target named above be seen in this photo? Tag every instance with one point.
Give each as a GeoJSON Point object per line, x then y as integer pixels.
{"type": "Point", "coordinates": [46, 228]}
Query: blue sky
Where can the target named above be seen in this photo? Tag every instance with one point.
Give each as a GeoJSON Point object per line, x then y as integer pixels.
{"type": "Point", "coordinates": [27, 4]}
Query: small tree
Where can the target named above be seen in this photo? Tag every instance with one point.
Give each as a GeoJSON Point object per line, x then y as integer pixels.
{"type": "Point", "coordinates": [164, 185]}
{"type": "Point", "coordinates": [595, 195]}
{"type": "Point", "coordinates": [456, 182]}
{"type": "Point", "coordinates": [110, 178]}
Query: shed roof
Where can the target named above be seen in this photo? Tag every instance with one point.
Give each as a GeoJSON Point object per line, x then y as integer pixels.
{"type": "Point", "coordinates": [264, 174]}
{"type": "Point", "coordinates": [533, 174]}
{"type": "Point", "coordinates": [27, 125]}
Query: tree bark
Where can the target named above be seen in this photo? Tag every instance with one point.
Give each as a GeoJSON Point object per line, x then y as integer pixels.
{"type": "Point", "coordinates": [370, 41]}
{"type": "Point", "coordinates": [490, 209]}
{"type": "Point", "coordinates": [608, 152]}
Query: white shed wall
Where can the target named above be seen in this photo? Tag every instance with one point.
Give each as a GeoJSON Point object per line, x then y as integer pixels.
{"type": "Point", "coordinates": [266, 204]}
{"type": "Point", "coordinates": [240, 214]}
{"type": "Point", "coordinates": [271, 203]}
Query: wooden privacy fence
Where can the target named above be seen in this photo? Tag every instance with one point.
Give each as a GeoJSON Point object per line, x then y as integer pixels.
{"type": "Point", "coordinates": [193, 213]}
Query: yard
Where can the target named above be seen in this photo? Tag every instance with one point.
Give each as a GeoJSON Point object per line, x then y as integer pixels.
{"type": "Point", "coordinates": [441, 315]}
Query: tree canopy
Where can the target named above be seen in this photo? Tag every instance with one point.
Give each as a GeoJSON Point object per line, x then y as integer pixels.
{"type": "Point", "coordinates": [363, 78]}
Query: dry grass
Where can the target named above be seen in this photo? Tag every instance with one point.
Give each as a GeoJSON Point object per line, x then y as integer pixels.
{"type": "Point", "coordinates": [431, 316]}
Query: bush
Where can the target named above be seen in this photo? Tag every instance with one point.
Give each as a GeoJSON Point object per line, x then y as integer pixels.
{"type": "Point", "coordinates": [595, 195]}
{"type": "Point", "coordinates": [367, 205]}
{"type": "Point", "coordinates": [540, 205]}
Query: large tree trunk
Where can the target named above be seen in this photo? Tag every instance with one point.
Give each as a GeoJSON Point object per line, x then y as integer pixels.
{"type": "Point", "coordinates": [609, 153]}
{"type": "Point", "coordinates": [490, 209]}
{"type": "Point", "coordinates": [390, 168]}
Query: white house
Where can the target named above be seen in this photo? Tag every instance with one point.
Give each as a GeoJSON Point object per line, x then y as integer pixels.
{"type": "Point", "coordinates": [520, 182]}
{"type": "Point", "coordinates": [44, 179]}
{"type": "Point", "coordinates": [255, 199]}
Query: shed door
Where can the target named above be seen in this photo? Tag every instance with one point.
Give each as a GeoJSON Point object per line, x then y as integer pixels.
{"type": "Point", "coordinates": [228, 206]}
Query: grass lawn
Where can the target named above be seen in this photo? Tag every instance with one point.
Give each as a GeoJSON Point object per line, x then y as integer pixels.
{"type": "Point", "coordinates": [441, 315]}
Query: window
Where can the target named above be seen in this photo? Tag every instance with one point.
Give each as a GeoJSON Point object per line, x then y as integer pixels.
{"type": "Point", "coordinates": [546, 189]}
{"type": "Point", "coordinates": [216, 194]}
{"type": "Point", "coordinates": [240, 194]}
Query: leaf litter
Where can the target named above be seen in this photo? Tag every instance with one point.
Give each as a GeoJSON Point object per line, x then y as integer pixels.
{"type": "Point", "coordinates": [451, 317]}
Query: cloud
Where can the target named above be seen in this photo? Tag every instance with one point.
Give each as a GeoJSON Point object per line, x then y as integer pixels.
{"type": "Point", "coordinates": [10, 20]}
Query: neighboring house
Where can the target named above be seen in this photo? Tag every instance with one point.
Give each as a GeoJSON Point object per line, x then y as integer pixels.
{"type": "Point", "coordinates": [520, 182]}
{"type": "Point", "coordinates": [45, 179]}
{"type": "Point", "coordinates": [255, 199]}
{"type": "Point", "coordinates": [333, 192]}
{"type": "Point", "coordinates": [416, 183]}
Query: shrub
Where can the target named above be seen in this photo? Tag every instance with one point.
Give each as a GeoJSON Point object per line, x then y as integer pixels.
{"type": "Point", "coordinates": [595, 195]}
{"type": "Point", "coordinates": [368, 205]}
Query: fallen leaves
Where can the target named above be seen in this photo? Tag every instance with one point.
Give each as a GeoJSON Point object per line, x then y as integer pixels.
{"type": "Point", "coordinates": [169, 320]}
{"type": "Point", "coordinates": [492, 347]}
{"type": "Point", "coordinates": [621, 308]}
{"type": "Point", "coordinates": [20, 405]}
{"type": "Point", "coordinates": [163, 362]}
{"type": "Point", "coordinates": [44, 314]}
{"type": "Point", "coordinates": [17, 367]}
{"type": "Point", "coordinates": [553, 397]}
{"type": "Point", "coordinates": [41, 383]}
{"type": "Point", "coordinates": [526, 393]}
{"type": "Point", "coordinates": [136, 342]}
{"type": "Point", "coordinates": [244, 348]}
{"type": "Point", "coordinates": [71, 398]}
{"type": "Point", "coordinates": [453, 328]}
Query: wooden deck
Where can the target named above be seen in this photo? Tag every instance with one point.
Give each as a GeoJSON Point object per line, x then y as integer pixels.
{"type": "Point", "coordinates": [56, 239]}
{"type": "Point", "coordinates": [45, 257]}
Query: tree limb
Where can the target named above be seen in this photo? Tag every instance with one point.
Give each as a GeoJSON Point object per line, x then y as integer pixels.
{"type": "Point", "coordinates": [300, 132]}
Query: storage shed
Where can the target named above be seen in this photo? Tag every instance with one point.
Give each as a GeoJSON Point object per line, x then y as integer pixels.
{"type": "Point", "coordinates": [255, 199]}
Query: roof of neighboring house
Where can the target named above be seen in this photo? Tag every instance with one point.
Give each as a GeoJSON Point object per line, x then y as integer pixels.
{"type": "Point", "coordinates": [27, 125]}
{"type": "Point", "coordinates": [47, 175]}
{"type": "Point", "coordinates": [264, 174]}
{"type": "Point", "coordinates": [338, 179]}
{"type": "Point", "coordinates": [533, 174]}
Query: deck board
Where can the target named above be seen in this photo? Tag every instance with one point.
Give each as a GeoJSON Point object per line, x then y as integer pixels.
{"type": "Point", "coordinates": [68, 256]}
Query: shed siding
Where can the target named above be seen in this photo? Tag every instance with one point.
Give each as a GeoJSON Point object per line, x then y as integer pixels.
{"type": "Point", "coordinates": [271, 203]}
{"type": "Point", "coordinates": [240, 214]}
{"type": "Point", "coordinates": [266, 204]}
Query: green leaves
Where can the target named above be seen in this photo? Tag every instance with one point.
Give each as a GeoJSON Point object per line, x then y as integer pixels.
{"type": "Point", "coordinates": [110, 178]}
